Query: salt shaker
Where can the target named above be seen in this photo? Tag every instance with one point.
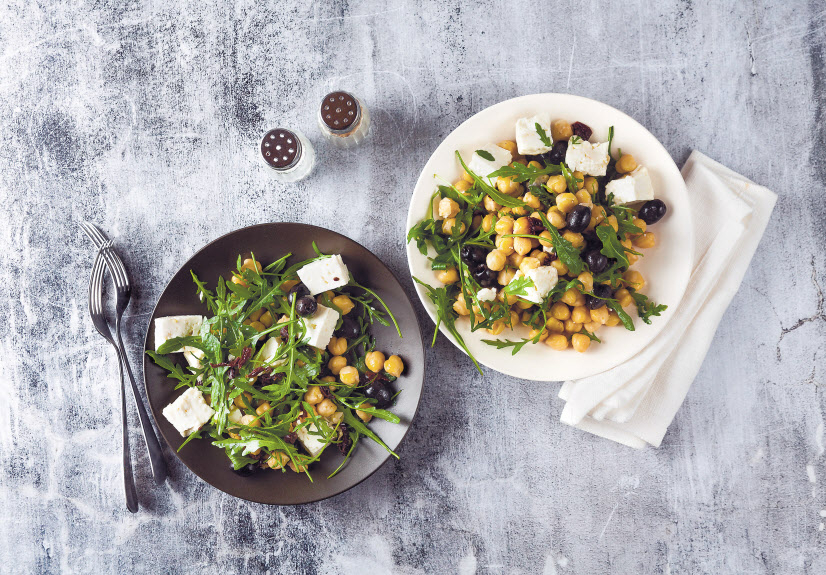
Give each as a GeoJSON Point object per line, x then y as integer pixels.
{"type": "Point", "coordinates": [289, 153]}
{"type": "Point", "coordinates": [343, 120]}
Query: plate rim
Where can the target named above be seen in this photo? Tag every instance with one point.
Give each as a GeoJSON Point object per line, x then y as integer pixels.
{"type": "Point", "coordinates": [386, 455]}
{"type": "Point", "coordinates": [671, 165]}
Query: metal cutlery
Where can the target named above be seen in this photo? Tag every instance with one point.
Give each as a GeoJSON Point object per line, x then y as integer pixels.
{"type": "Point", "coordinates": [124, 293]}
{"type": "Point", "coordinates": [102, 326]}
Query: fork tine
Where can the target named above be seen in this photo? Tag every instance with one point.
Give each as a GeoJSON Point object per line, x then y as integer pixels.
{"type": "Point", "coordinates": [94, 232]}
{"type": "Point", "coordinates": [115, 266]}
{"type": "Point", "coordinates": [85, 226]}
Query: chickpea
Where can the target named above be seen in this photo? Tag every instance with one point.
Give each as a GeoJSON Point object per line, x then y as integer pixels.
{"type": "Point", "coordinates": [623, 296]}
{"type": "Point", "coordinates": [249, 264]}
{"type": "Point", "coordinates": [491, 205]}
{"type": "Point", "coordinates": [592, 327]}
{"type": "Point", "coordinates": [344, 303]}
{"type": "Point", "coordinates": [336, 417]}
{"type": "Point", "coordinates": [515, 319]}
{"type": "Point", "coordinates": [584, 197]}
{"type": "Point", "coordinates": [254, 316]}
{"type": "Point", "coordinates": [337, 346]}
{"type": "Point", "coordinates": [460, 307]}
{"type": "Point", "coordinates": [467, 177]}
{"type": "Point", "coordinates": [288, 285]}
{"type": "Point", "coordinates": [522, 226]}
{"type": "Point", "coordinates": [238, 281]}
{"type": "Point", "coordinates": [365, 417]}
{"type": "Point", "coordinates": [556, 218]}
{"type": "Point", "coordinates": [531, 200]}
{"type": "Point", "coordinates": [561, 130]}
{"type": "Point", "coordinates": [577, 240]}
{"type": "Point", "coordinates": [566, 202]}
{"type": "Point", "coordinates": [557, 341]}
{"type": "Point", "coordinates": [587, 280]}
{"type": "Point", "coordinates": [348, 375]}
{"type": "Point", "coordinates": [510, 146]}
{"type": "Point", "coordinates": [528, 264]}
{"type": "Point", "coordinates": [476, 222]}
{"type": "Point", "coordinates": [336, 364]}
{"type": "Point", "coordinates": [488, 222]}
{"type": "Point", "coordinates": [461, 186]}
{"type": "Point", "coordinates": [523, 304]}
{"type": "Point", "coordinates": [263, 408]}
{"type": "Point", "coordinates": [267, 319]}
{"type": "Point", "coordinates": [646, 240]}
{"type": "Point", "coordinates": [554, 325]}
{"type": "Point", "coordinates": [597, 215]}
{"type": "Point", "coordinates": [374, 361]}
{"type": "Point", "coordinates": [634, 279]}
{"type": "Point", "coordinates": [505, 245]}
{"type": "Point", "coordinates": [505, 276]}
{"type": "Point", "coordinates": [570, 296]}
{"type": "Point", "coordinates": [449, 224]}
{"type": "Point", "coordinates": [572, 327]}
{"type": "Point", "coordinates": [613, 319]}
{"type": "Point", "coordinates": [522, 246]}
{"type": "Point", "coordinates": [580, 342]}
{"type": "Point", "coordinates": [313, 395]}
{"type": "Point", "coordinates": [515, 260]}
{"type": "Point", "coordinates": [394, 365]}
{"type": "Point", "coordinates": [591, 186]}
{"type": "Point", "coordinates": [560, 311]}
{"type": "Point", "coordinates": [448, 208]}
{"type": "Point", "coordinates": [250, 421]}
{"type": "Point", "coordinates": [297, 468]}
{"type": "Point", "coordinates": [580, 314]}
{"type": "Point", "coordinates": [495, 260]}
{"type": "Point", "coordinates": [561, 269]}
{"type": "Point", "coordinates": [612, 221]}
{"type": "Point", "coordinates": [496, 327]}
{"type": "Point", "coordinates": [519, 211]}
{"type": "Point", "coordinates": [504, 225]}
{"type": "Point", "coordinates": [507, 299]}
{"type": "Point", "coordinates": [640, 223]}
{"type": "Point", "coordinates": [326, 408]}
{"type": "Point", "coordinates": [258, 326]}
{"type": "Point", "coordinates": [543, 335]}
{"type": "Point", "coordinates": [277, 460]}
{"type": "Point", "coordinates": [626, 164]}
{"type": "Point", "coordinates": [556, 184]}
{"type": "Point", "coordinates": [244, 400]}
{"type": "Point", "coordinates": [508, 186]}
{"type": "Point", "coordinates": [328, 379]}
{"type": "Point", "coordinates": [600, 315]}
{"type": "Point", "coordinates": [546, 241]}
{"type": "Point", "coordinates": [448, 276]}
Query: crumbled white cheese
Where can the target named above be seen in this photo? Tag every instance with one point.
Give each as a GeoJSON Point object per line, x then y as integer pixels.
{"type": "Point", "coordinates": [314, 444]}
{"type": "Point", "coordinates": [486, 294]}
{"type": "Point", "coordinates": [324, 274]}
{"type": "Point", "coordinates": [189, 412]}
{"type": "Point", "coordinates": [320, 326]}
{"type": "Point", "coordinates": [170, 327]}
{"type": "Point", "coordinates": [268, 352]}
{"type": "Point", "coordinates": [528, 141]}
{"type": "Point", "coordinates": [590, 159]}
{"type": "Point", "coordinates": [635, 187]}
{"type": "Point", "coordinates": [482, 167]}
{"type": "Point", "coordinates": [544, 279]}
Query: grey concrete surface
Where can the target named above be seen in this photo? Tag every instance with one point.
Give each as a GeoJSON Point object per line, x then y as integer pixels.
{"type": "Point", "coordinates": [145, 118]}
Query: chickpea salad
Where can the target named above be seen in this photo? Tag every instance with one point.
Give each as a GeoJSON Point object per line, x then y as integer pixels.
{"type": "Point", "coordinates": [284, 367]}
{"type": "Point", "coordinates": [542, 232]}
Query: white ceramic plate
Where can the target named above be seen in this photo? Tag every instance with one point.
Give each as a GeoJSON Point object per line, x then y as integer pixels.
{"type": "Point", "coordinates": [665, 267]}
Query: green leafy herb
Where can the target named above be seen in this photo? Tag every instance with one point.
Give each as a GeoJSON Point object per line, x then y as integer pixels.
{"type": "Point", "coordinates": [486, 155]}
{"type": "Point", "coordinates": [611, 246]}
{"type": "Point", "coordinates": [546, 141]}
{"type": "Point", "coordinates": [570, 179]}
{"type": "Point", "coordinates": [610, 139]}
{"type": "Point", "coordinates": [590, 335]}
{"type": "Point", "coordinates": [645, 307]}
{"type": "Point", "coordinates": [495, 194]}
{"type": "Point", "coordinates": [519, 286]}
{"type": "Point", "coordinates": [575, 140]}
{"type": "Point", "coordinates": [624, 317]}
{"type": "Point", "coordinates": [564, 249]}
{"type": "Point", "coordinates": [520, 173]}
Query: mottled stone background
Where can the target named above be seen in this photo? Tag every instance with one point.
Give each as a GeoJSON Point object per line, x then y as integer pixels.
{"type": "Point", "coordinates": [145, 118]}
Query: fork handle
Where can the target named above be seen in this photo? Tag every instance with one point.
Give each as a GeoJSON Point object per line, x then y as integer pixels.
{"type": "Point", "coordinates": [128, 479]}
{"type": "Point", "coordinates": [153, 446]}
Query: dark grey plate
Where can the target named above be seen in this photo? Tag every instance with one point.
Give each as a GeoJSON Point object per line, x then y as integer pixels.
{"type": "Point", "coordinates": [269, 242]}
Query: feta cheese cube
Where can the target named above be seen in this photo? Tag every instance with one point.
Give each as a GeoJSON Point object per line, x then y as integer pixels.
{"type": "Point", "coordinates": [635, 187]}
{"type": "Point", "coordinates": [320, 326]}
{"type": "Point", "coordinates": [189, 412]}
{"type": "Point", "coordinates": [268, 352]}
{"type": "Point", "coordinates": [486, 294]}
{"type": "Point", "coordinates": [324, 274]}
{"type": "Point", "coordinates": [482, 167]}
{"type": "Point", "coordinates": [235, 416]}
{"type": "Point", "coordinates": [314, 444]}
{"type": "Point", "coordinates": [589, 159]}
{"type": "Point", "coordinates": [193, 356]}
{"type": "Point", "coordinates": [527, 138]}
{"type": "Point", "coordinates": [167, 328]}
{"type": "Point", "coordinates": [544, 279]}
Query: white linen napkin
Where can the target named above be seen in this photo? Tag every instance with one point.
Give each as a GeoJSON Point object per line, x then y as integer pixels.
{"type": "Point", "coordinates": [635, 402]}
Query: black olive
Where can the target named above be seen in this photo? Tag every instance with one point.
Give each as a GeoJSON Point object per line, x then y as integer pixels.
{"type": "Point", "coordinates": [379, 391]}
{"type": "Point", "coordinates": [489, 279]}
{"type": "Point", "coordinates": [306, 306]}
{"type": "Point", "coordinates": [600, 291]}
{"type": "Point", "coordinates": [247, 470]}
{"type": "Point", "coordinates": [596, 261]}
{"type": "Point", "coordinates": [557, 153]}
{"type": "Point", "coordinates": [483, 275]}
{"type": "Point", "coordinates": [349, 328]}
{"type": "Point", "coordinates": [298, 290]}
{"type": "Point", "coordinates": [578, 218]}
{"type": "Point", "coordinates": [652, 211]}
{"type": "Point", "coordinates": [473, 254]}
{"type": "Point", "coordinates": [536, 226]}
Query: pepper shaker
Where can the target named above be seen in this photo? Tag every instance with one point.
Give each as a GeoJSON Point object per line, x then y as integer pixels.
{"type": "Point", "coordinates": [343, 119]}
{"type": "Point", "coordinates": [289, 153]}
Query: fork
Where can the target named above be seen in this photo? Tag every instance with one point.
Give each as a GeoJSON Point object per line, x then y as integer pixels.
{"type": "Point", "coordinates": [102, 326]}
{"type": "Point", "coordinates": [124, 293]}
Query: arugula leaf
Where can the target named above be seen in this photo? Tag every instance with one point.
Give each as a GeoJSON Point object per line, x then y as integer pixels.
{"type": "Point", "coordinates": [590, 335]}
{"type": "Point", "coordinates": [564, 249]}
{"type": "Point", "coordinates": [610, 139]}
{"type": "Point", "coordinates": [645, 307]}
{"type": "Point", "coordinates": [624, 317]}
{"type": "Point", "coordinates": [520, 173]}
{"type": "Point", "coordinates": [546, 141]}
{"type": "Point", "coordinates": [569, 178]}
{"type": "Point", "coordinates": [516, 345]}
{"type": "Point", "coordinates": [611, 246]}
{"type": "Point", "coordinates": [575, 140]}
{"type": "Point", "coordinates": [495, 194]}
{"type": "Point", "coordinates": [542, 194]}
{"type": "Point", "coordinates": [486, 155]}
{"type": "Point", "coordinates": [519, 286]}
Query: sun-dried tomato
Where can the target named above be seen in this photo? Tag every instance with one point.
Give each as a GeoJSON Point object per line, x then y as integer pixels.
{"type": "Point", "coordinates": [582, 130]}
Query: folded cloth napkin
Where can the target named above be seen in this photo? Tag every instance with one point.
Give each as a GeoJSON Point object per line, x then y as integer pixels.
{"type": "Point", "coordinates": [635, 402]}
